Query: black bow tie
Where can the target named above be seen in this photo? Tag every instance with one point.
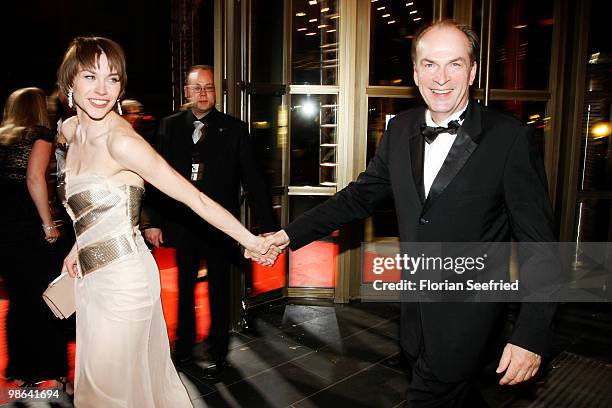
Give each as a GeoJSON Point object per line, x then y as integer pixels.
{"type": "Point", "coordinates": [430, 133]}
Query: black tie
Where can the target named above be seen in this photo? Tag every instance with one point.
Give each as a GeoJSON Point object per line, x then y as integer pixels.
{"type": "Point", "coordinates": [430, 133]}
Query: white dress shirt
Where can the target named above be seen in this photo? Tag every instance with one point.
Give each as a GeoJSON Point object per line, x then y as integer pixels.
{"type": "Point", "coordinates": [436, 152]}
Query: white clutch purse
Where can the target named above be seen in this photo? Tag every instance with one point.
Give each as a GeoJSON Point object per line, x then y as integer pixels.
{"type": "Point", "coordinates": [59, 296]}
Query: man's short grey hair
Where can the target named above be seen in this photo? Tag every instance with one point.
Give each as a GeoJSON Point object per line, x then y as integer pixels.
{"type": "Point", "coordinates": [470, 34]}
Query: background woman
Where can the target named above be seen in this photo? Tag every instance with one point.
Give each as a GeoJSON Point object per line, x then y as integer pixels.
{"type": "Point", "coordinates": [123, 355]}
{"type": "Point", "coordinates": [37, 349]}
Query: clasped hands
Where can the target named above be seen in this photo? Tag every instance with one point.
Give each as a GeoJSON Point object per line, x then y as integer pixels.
{"type": "Point", "coordinates": [263, 249]}
{"type": "Point", "coordinates": [267, 247]}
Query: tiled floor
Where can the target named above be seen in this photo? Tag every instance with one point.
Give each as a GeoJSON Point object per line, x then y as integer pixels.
{"type": "Point", "coordinates": [310, 356]}
{"type": "Point", "coordinates": [324, 355]}
{"type": "Point", "coordinates": [313, 354]}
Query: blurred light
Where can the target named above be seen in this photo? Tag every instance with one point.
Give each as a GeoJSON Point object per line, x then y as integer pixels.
{"type": "Point", "coordinates": [409, 4]}
{"type": "Point", "coordinates": [386, 15]}
{"type": "Point", "coordinates": [381, 8]}
{"type": "Point", "coordinates": [594, 58]}
{"type": "Point", "coordinates": [312, 2]}
{"type": "Point", "coordinates": [147, 117]}
{"type": "Point", "coordinates": [300, 14]}
{"type": "Point", "coordinates": [333, 30]}
{"type": "Point", "coordinates": [302, 29]}
{"type": "Point", "coordinates": [308, 108]}
{"type": "Point", "coordinates": [309, 34]}
{"type": "Point", "coordinates": [334, 17]}
{"type": "Point", "coordinates": [322, 26]}
{"type": "Point", "coordinates": [413, 12]}
{"type": "Point", "coordinates": [416, 19]}
{"type": "Point", "coordinates": [536, 116]}
{"type": "Point", "coordinates": [324, 9]}
{"type": "Point", "coordinates": [520, 26]}
{"type": "Point", "coordinates": [312, 20]}
{"type": "Point", "coordinates": [397, 81]}
{"type": "Point", "coordinates": [261, 125]}
{"type": "Point", "coordinates": [373, 1]}
{"type": "Point", "coordinates": [601, 129]}
{"type": "Point", "coordinates": [391, 22]}
{"type": "Point", "coordinates": [387, 119]}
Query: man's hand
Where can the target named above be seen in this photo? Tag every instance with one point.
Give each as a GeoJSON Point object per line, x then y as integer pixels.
{"type": "Point", "coordinates": [280, 239]}
{"type": "Point", "coordinates": [276, 242]}
{"type": "Point", "coordinates": [262, 250]}
{"type": "Point", "coordinates": [154, 236]}
{"type": "Point", "coordinates": [519, 364]}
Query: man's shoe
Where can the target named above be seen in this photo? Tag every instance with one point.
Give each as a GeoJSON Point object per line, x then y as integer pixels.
{"type": "Point", "coordinates": [213, 370]}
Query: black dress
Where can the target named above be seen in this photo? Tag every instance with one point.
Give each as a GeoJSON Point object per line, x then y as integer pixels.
{"type": "Point", "coordinates": [37, 345]}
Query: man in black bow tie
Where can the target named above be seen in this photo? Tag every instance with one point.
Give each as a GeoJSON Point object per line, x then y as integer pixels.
{"type": "Point", "coordinates": [212, 150]}
{"type": "Point", "coordinates": [458, 172]}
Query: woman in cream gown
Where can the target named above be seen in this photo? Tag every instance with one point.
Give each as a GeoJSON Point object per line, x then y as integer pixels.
{"type": "Point", "coordinates": [123, 354]}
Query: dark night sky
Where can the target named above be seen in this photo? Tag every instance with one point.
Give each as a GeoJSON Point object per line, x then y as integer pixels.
{"type": "Point", "coordinates": [36, 33]}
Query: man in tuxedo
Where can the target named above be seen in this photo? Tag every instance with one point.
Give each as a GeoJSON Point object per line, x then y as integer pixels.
{"type": "Point", "coordinates": [212, 150]}
{"type": "Point", "coordinates": [457, 172]}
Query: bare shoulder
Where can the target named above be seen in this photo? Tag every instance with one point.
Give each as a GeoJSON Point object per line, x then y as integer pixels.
{"type": "Point", "coordinates": [123, 141]}
{"type": "Point", "coordinates": [120, 138]}
{"type": "Point", "coordinates": [68, 129]}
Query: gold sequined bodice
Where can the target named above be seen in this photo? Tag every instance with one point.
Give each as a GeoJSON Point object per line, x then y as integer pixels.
{"type": "Point", "coordinates": [105, 217]}
{"type": "Point", "coordinates": [91, 206]}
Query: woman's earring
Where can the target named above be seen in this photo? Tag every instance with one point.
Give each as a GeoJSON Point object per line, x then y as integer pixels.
{"type": "Point", "coordinates": [70, 101]}
{"type": "Point", "coordinates": [119, 107]}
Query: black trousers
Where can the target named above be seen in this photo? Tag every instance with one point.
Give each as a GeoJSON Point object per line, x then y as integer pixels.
{"type": "Point", "coordinates": [190, 250]}
{"type": "Point", "coordinates": [427, 391]}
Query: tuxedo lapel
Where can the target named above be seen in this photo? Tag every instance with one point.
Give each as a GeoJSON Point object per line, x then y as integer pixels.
{"type": "Point", "coordinates": [414, 143]}
{"type": "Point", "coordinates": [468, 136]}
{"type": "Point", "coordinates": [417, 150]}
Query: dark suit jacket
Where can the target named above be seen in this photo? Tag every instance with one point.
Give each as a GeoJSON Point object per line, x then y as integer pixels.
{"type": "Point", "coordinates": [228, 161]}
{"type": "Point", "coordinates": [491, 188]}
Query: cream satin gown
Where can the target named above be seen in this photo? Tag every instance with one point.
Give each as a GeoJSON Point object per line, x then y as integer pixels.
{"type": "Point", "coordinates": [123, 353]}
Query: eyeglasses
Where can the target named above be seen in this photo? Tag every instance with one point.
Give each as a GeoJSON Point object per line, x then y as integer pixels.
{"type": "Point", "coordinates": [199, 89]}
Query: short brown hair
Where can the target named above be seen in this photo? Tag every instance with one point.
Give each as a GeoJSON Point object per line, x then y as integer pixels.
{"type": "Point", "coordinates": [84, 53]}
{"type": "Point", "coordinates": [194, 68]}
{"type": "Point", "coordinates": [470, 34]}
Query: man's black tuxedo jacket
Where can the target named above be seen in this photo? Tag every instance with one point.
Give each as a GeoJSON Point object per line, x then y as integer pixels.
{"type": "Point", "coordinates": [228, 160]}
{"type": "Point", "coordinates": [491, 188]}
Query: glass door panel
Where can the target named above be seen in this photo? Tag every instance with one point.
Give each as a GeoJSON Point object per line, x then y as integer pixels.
{"type": "Point", "coordinates": [265, 112]}
{"type": "Point", "coordinates": [314, 265]}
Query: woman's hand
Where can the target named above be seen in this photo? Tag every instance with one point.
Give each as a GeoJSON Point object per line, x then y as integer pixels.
{"type": "Point", "coordinates": [262, 250]}
{"type": "Point", "coordinates": [70, 263]}
{"type": "Point", "coordinates": [52, 233]}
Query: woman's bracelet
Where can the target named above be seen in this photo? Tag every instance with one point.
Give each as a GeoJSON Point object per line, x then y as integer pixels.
{"type": "Point", "coordinates": [48, 227]}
